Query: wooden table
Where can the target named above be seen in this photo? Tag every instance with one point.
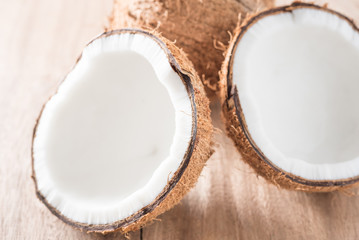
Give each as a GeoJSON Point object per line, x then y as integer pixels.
{"type": "Point", "coordinates": [39, 42]}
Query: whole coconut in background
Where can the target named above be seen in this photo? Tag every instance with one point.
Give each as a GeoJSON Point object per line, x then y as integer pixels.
{"type": "Point", "coordinates": [199, 27]}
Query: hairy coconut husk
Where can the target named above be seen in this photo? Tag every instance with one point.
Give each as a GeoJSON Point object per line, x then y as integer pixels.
{"type": "Point", "coordinates": [199, 27]}
{"type": "Point", "coordinates": [236, 126]}
{"type": "Point", "coordinates": [198, 152]}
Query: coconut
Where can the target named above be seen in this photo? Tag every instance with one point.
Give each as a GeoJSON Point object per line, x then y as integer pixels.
{"type": "Point", "coordinates": [199, 27]}
{"type": "Point", "coordinates": [125, 136]}
{"type": "Point", "coordinates": [290, 96]}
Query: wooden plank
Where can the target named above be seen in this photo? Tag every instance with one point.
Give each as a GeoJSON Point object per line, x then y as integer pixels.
{"type": "Point", "coordinates": [40, 41]}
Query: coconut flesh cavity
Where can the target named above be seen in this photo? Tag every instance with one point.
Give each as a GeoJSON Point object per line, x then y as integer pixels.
{"type": "Point", "coordinates": [119, 128]}
{"type": "Point", "coordinates": [295, 73]}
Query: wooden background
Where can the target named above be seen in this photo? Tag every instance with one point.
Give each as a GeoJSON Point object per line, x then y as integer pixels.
{"type": "Point", "coordinates": [39, 42]}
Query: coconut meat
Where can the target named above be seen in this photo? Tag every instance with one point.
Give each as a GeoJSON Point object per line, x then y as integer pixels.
{"type": "Point", "coordinates": [115, 132]}
{"type": "Point", "coordinates": [297, 76]}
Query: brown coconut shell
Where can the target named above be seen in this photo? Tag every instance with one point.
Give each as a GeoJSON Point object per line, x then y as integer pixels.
{"type": "Point", "coordinates": [236, 125]}
{"type": "Point", "coordinates": [199, 27]}
{"type": "Point", "coordinates": [198, 152]}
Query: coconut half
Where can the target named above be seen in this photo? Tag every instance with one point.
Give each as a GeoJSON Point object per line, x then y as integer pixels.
{"type": "Point", "coordinates": [125, 136]}
{"type": "Point", "coordinates": [291, 83]}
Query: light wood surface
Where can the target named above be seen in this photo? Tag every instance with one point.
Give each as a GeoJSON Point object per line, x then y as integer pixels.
{"type": "Point", "coordinates": [39, 42]}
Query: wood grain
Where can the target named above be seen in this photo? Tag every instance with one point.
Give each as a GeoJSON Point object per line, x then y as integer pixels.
{"type": "Point", "coordinates": [40, 40]}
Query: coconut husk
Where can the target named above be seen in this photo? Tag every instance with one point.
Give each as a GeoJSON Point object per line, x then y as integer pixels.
{"type": "Point", "coordinates": [198, 152]}
{"type": "Point", "coordinates": [199, 27]}
{"type": "Point", "coordinates": [236, 126]}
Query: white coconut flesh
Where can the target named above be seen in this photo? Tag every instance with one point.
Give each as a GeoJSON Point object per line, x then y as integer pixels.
{"type": "Point", "coordinates": [297, 76]}
{"type": "Point", "coordinates": [115, 132]}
